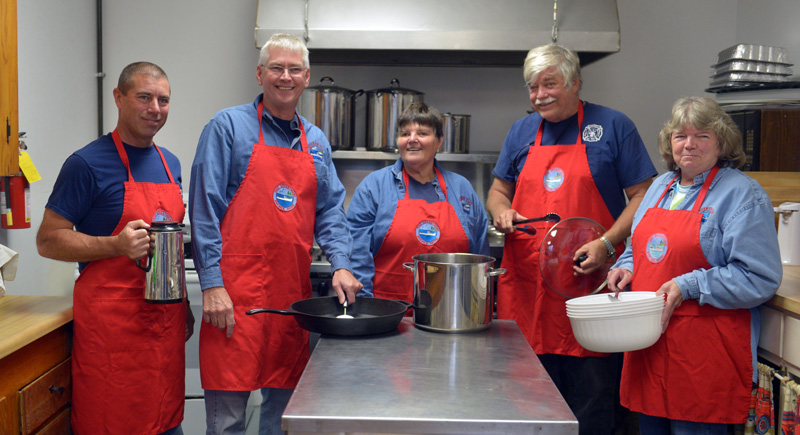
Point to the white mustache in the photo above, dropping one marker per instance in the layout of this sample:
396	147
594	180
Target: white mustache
545	101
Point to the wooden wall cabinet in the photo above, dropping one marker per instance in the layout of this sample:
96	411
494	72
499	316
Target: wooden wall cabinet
770	138
9	91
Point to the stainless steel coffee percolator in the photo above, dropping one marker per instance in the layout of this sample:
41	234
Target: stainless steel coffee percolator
165	281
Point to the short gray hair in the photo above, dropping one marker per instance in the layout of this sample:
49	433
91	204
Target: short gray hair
287	42
565	60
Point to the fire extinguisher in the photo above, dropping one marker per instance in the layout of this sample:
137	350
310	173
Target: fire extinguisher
15	202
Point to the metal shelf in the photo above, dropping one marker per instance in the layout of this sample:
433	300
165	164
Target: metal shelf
384	155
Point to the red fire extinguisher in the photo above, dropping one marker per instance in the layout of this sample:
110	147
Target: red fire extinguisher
15	202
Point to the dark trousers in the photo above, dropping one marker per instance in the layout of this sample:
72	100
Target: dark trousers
590	386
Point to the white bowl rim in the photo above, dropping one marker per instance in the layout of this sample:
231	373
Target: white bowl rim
613	308
625	298
648	312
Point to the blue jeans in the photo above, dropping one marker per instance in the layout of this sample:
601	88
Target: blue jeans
225	411
590	387
177	430
649	425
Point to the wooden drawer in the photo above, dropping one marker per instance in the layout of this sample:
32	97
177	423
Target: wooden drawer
58	426
44	397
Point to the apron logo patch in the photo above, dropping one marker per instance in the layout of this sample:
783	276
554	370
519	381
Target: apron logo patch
285	197
656	248
316	151
427	232
161	216
553	179
466	204
706	212
592	133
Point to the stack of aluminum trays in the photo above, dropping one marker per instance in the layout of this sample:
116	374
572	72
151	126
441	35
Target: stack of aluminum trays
750	66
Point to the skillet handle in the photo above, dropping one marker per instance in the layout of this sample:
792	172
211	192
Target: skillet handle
269	310
406	303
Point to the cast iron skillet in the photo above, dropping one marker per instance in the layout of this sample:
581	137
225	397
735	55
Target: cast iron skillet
370	315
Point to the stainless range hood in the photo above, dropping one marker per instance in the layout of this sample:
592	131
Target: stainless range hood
440	32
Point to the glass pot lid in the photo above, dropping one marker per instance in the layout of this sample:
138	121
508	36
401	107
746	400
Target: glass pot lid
557	251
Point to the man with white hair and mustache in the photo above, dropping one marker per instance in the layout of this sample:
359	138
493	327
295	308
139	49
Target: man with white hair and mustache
576	159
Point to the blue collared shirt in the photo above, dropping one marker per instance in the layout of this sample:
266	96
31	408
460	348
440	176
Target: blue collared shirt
737	236
223	154
374	203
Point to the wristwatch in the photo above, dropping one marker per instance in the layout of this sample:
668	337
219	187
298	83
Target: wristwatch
609	246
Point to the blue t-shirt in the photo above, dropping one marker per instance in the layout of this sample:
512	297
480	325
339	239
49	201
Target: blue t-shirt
617	156
90	191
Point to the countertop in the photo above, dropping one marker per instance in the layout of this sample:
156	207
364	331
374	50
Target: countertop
416	381
24	319
788	295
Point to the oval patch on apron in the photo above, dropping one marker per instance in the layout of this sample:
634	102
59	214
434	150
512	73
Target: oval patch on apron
427	232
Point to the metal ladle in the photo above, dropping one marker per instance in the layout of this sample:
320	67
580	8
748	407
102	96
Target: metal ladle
344	315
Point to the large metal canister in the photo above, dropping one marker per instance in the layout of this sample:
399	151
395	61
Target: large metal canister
333	110
453	292
455	138
165	278
384	107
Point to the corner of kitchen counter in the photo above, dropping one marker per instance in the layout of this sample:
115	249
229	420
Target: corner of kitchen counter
25	319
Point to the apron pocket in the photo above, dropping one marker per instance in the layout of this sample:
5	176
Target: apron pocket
120	325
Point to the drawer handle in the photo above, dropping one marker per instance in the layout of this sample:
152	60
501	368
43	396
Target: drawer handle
59	390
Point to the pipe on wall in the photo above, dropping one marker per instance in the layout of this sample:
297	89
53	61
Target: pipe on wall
100	74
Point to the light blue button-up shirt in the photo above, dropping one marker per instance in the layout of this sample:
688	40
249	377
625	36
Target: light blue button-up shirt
223	154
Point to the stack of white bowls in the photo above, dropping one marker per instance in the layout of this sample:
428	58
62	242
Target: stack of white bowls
602	323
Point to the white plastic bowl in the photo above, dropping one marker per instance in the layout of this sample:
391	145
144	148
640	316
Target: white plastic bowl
617	334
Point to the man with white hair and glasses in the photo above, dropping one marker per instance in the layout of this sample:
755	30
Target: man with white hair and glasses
263	188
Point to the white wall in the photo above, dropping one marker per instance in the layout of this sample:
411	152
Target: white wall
208	50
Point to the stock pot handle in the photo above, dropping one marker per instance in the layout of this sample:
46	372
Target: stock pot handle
409	266
495	272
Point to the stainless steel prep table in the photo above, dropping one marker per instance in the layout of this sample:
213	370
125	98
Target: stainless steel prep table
412	381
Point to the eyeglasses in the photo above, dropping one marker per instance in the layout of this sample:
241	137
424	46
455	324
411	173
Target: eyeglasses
277	70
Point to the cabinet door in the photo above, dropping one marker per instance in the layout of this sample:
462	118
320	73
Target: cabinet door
9	109
780	129
791	344
9	415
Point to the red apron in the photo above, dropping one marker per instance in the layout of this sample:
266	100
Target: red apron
701	368
267	235
128	355
555	178
418	227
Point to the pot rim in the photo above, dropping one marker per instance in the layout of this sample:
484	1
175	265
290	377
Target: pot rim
442	257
